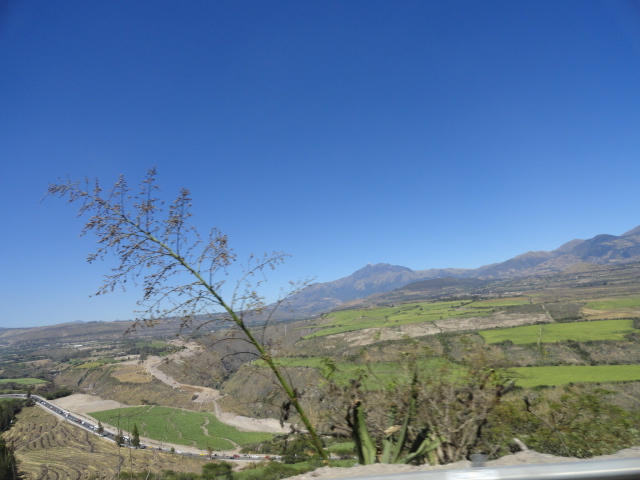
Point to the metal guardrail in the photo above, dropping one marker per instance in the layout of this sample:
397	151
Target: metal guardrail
616	469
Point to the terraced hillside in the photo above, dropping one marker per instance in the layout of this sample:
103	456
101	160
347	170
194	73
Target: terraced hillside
49	449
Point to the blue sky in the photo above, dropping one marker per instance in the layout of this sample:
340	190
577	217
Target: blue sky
417	133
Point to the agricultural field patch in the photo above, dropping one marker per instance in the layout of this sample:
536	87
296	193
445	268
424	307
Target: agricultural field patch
154	344
172	425
351	320
50	449
629	301
23	381
132	374
38	363
562	375
501	302
94	364
558	332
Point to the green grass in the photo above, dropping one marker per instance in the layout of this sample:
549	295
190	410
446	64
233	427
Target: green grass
342	446
613	303
182	427
23	381
97	363
351	320
153	344
534	376
302	467
558	332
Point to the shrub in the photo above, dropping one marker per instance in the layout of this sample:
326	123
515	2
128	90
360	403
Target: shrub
273	471
571	421
217	471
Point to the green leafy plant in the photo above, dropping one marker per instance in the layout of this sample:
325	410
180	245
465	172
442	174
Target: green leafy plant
574	421
394	447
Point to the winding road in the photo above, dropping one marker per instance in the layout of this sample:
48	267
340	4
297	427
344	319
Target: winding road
210	395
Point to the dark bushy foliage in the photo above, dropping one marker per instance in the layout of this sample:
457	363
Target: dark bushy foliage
217	471
8	464
565	311
274	471
8	411
61	392
567	421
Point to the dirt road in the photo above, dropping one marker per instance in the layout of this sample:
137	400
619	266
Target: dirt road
210	395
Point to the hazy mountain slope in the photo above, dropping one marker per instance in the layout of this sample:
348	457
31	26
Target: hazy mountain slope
382	277
369	280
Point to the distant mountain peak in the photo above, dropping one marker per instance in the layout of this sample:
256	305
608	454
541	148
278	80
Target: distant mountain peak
566	247
372	270
375	278
382	267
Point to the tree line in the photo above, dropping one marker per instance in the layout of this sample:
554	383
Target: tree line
9	408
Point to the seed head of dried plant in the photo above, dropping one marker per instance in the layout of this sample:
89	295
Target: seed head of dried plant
181	274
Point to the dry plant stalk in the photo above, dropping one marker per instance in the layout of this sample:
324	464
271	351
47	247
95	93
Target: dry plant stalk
181	275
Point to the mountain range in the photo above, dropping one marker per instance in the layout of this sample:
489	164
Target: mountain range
379	278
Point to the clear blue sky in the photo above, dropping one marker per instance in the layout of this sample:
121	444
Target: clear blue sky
416	133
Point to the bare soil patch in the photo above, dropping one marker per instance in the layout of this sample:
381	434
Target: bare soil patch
81	403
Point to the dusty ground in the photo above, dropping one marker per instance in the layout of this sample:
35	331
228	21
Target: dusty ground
81	403
131	372
529	457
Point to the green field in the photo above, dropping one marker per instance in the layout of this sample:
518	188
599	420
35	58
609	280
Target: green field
154	344
558	332
172	425
350	320
97	363
613	303
23	381
534	376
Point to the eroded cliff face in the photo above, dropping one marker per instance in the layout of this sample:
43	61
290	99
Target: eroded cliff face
121	384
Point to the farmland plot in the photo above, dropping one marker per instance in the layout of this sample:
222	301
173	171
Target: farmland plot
352	320
558	332
172	425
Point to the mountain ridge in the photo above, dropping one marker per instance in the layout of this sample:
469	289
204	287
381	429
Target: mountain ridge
602	249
